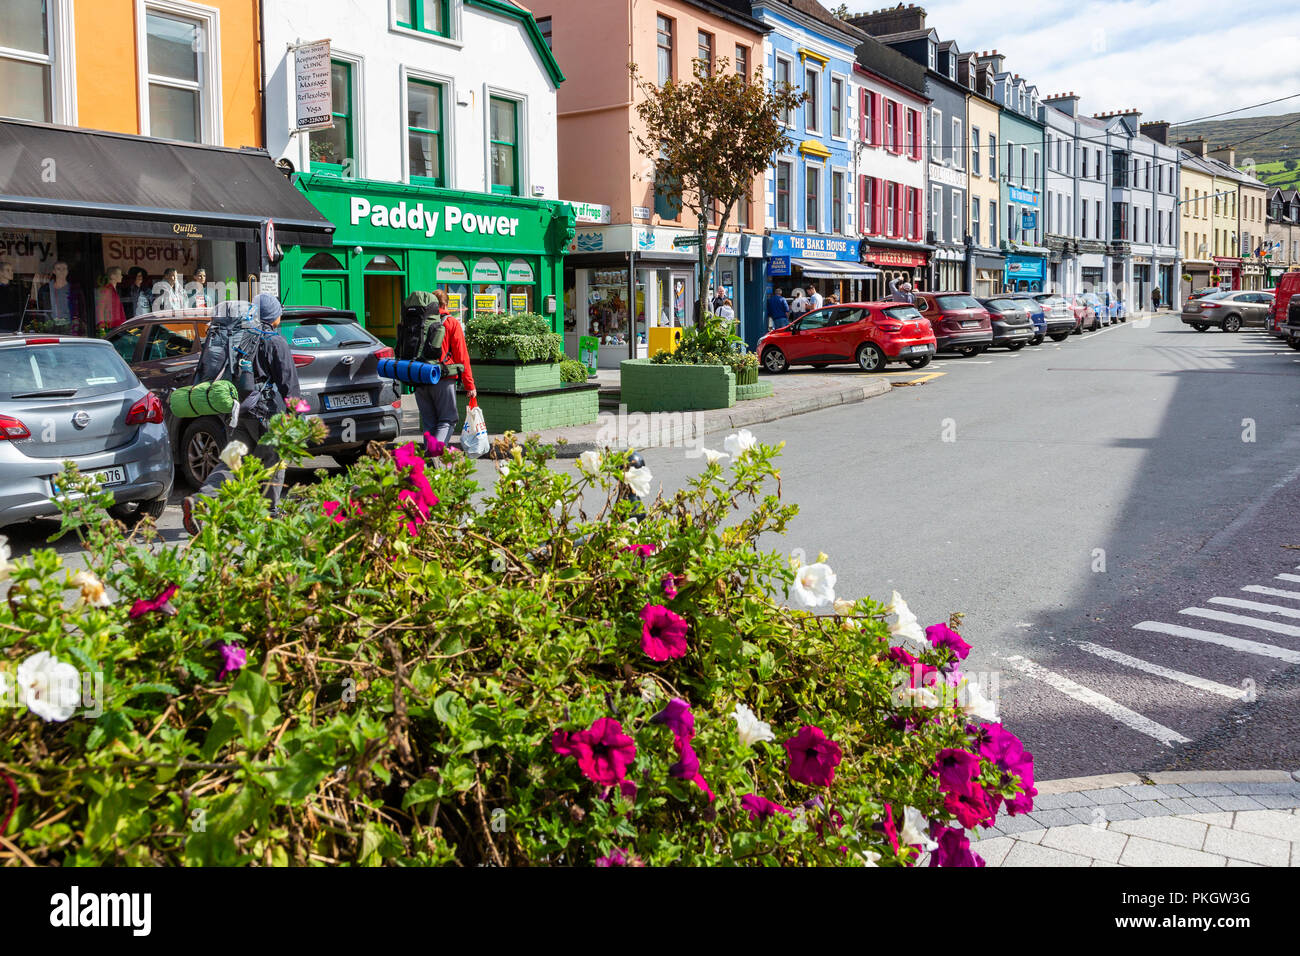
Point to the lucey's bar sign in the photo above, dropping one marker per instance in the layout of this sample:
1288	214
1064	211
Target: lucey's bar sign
891	257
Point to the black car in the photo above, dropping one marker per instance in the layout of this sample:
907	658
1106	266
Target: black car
337	364
1012	325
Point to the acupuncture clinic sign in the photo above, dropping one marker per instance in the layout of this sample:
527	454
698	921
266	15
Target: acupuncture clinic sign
311	62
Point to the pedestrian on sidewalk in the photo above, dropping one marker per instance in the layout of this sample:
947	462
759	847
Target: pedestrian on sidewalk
275	383
778	311
798	304
900	291
815	300
437	403
1155	298
727	311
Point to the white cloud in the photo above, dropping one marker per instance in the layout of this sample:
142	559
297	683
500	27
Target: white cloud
1173	60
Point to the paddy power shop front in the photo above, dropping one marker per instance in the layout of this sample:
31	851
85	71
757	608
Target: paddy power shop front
492	254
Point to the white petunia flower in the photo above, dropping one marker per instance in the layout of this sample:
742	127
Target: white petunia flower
916	830
814	586
638	479
48	686
233	454
649	690
916	697
844	608
6	566
713	456
93	591
975	704
906	627
751	729
589	461
740	442
869	857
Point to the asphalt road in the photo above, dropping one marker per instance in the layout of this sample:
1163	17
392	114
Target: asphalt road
1058	497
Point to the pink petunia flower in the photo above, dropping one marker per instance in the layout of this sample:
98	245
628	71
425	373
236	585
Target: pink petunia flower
618	858
891	828
813	757
409	458
339	512
160	603
956	769
687	768
971	806
670	586
1004	748
644	550
678	718
663	633
954	849
941	635
434	448
603	751
760	808
301	406
233	659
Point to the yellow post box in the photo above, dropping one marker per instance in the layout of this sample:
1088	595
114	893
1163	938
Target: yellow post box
665	339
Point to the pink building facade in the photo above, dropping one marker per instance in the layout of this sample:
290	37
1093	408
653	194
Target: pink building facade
623	275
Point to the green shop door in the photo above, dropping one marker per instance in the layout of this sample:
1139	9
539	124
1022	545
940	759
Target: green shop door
324	282
384	293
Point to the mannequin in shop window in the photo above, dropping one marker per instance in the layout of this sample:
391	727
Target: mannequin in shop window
62	301
109	313
137	292
13	298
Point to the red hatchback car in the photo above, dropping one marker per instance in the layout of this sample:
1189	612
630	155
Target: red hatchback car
872	334
960	323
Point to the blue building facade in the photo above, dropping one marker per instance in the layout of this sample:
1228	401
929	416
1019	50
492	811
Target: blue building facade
1023	175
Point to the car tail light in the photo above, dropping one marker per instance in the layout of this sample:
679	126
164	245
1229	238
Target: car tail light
11	429
299	360
42	341
890	326
397	404
1209	305
148	409
384	353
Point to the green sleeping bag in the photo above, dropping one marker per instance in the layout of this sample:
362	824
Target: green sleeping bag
206	398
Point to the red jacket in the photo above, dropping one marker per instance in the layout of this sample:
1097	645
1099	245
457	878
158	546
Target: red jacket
454	350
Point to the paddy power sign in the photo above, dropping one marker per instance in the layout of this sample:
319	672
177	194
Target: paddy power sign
415	217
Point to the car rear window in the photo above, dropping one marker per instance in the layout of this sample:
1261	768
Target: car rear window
1005	305
324	333
957	302
904	313
1215	295
81	368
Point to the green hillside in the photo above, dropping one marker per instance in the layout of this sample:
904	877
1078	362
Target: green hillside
1258	139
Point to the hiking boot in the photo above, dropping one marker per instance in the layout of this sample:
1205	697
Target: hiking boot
187	515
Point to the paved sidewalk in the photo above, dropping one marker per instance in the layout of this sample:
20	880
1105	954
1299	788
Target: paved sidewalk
1174	818
794	393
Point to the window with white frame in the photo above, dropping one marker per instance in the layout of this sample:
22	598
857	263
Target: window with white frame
993	156
975	147
813	198
934	57
837	201
975	219
34	64
837	107
180	73
1024	164
781	80
958	142
936	209
812	81
936	134
958	215
993	223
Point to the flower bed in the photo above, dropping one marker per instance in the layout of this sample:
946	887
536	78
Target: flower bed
401	671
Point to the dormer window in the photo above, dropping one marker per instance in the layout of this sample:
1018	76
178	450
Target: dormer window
952	68
934	57
1006	95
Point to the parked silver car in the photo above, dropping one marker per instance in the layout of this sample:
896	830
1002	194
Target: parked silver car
73	399
1229	311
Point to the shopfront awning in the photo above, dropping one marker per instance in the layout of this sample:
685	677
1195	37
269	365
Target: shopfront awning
832	269
54	177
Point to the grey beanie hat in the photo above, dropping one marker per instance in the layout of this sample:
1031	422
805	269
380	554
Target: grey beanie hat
266	308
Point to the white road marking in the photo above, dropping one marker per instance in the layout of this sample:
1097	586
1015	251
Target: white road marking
1289	630
1224	640
1277	609
1085	695
1271	592
1288	577
1191	680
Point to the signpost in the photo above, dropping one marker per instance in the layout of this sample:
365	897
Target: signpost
685	242
311	63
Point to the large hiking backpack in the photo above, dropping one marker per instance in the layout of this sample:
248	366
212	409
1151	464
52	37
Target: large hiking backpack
225	373
422	335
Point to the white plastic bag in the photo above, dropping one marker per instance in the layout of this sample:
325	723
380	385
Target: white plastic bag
474	436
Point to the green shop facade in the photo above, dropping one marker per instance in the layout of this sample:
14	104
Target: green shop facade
491	253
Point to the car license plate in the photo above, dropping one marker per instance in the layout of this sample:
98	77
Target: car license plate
970	324
347	400
107	476
920	348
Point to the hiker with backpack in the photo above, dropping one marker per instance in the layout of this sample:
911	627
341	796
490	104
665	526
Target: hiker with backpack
249	353
430	333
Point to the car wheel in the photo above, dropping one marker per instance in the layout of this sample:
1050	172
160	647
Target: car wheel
1036	340
1199	326
969	351
1232	323
129	514
918	362
1294	343
201	445
346	459
1015	346
1060	336
870	358
774	361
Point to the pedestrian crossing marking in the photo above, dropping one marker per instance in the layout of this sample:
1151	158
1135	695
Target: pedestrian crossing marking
1223	640
1191	680
1289	630
1288	577
1277	609
1085	695
1270	592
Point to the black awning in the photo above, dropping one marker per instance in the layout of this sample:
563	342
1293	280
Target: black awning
55	177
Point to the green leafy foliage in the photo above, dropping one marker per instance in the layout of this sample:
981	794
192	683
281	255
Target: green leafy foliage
571	370
528	334
712	342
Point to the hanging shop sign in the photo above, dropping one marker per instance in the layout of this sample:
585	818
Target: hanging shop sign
778	266
451	269
486	270
1026	197
881	256
591	213
800	246
315	95
153	255
1026	267
730	244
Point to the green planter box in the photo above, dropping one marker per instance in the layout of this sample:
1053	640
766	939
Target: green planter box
748	377
504	376
536	410
646	387
758	390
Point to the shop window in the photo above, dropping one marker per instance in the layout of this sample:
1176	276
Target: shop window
607	311
26	61
333	150
664	49
383	264
505	145
323	261
424	132
426	16
179	67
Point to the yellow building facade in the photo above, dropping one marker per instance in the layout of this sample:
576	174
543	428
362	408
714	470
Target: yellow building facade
1196	222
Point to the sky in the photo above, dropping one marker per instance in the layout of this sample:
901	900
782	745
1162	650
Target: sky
1174	60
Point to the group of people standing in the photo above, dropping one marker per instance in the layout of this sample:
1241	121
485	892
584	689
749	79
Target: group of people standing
55	301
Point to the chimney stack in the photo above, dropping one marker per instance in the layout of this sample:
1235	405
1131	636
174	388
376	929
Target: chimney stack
1157	130
1197	147
1067	103
1225	154
889	20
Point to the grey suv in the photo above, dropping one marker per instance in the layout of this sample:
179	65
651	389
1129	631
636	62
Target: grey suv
73	399
1229	311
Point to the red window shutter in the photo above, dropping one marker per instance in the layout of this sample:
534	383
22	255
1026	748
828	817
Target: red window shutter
900	211
916	215
875	119
863	112
914	117
879	195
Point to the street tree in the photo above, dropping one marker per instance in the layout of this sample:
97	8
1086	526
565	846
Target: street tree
707	139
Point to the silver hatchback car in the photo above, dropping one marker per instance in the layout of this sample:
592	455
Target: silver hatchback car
74	399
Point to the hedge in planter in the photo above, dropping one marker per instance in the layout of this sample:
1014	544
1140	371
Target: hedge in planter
401	671
649	386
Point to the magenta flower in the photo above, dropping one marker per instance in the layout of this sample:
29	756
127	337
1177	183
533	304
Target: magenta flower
434	448
954	849
160	603
644	550
408	457
941	635
603	751
687	768
663	633
1004	748
670	586
233	659
626	789
956	769
618	858
678	718
301	406
337	510
813	757
891	828
970	806
760	808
